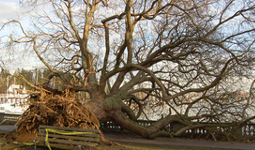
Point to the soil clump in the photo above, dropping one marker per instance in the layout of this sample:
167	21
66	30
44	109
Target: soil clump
63	110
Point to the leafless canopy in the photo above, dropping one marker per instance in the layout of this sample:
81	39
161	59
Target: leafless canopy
132	56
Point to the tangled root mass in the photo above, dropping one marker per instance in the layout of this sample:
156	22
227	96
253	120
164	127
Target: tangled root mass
56	110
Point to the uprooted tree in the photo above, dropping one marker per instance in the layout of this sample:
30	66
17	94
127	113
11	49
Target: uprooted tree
135	58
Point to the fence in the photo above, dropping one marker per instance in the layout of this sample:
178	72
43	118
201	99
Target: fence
21	100
111	126
245	130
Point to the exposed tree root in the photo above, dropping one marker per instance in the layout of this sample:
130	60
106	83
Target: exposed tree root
56	110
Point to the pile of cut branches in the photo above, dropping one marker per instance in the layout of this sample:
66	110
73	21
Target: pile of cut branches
62	110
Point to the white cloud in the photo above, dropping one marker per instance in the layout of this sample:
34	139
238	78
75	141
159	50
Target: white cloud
14	63
9	9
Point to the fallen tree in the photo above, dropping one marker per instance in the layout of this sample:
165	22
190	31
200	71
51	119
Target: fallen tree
126	55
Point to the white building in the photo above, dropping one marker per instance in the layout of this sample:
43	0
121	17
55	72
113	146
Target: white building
15	100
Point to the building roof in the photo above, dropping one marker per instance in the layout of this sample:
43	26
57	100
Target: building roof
13	88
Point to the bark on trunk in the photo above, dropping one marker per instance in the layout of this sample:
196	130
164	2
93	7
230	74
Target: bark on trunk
111	107
96	105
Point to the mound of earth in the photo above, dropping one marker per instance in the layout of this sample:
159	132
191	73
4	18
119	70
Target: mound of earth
62	110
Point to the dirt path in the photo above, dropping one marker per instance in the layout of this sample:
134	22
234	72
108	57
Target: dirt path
168	142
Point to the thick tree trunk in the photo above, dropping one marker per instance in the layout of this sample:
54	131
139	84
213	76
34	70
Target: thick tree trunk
97	108
111	107
96	105
119	117
101	105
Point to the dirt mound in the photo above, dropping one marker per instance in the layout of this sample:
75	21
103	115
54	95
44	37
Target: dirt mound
53	109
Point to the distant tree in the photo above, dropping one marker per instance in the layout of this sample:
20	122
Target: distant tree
3	85
3	81
188	56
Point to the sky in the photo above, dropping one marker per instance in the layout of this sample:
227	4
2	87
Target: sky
9	10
